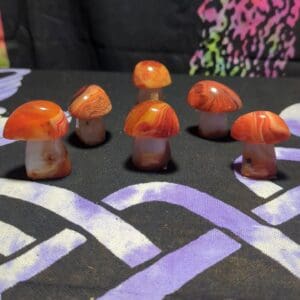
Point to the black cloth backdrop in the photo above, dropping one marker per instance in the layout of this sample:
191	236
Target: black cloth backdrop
108	34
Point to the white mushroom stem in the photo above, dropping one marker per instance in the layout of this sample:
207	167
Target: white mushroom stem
46	159
149	94
259	161
151	153
91	132
213	125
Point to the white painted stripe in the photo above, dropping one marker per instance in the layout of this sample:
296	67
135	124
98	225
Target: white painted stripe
10	84
268	240
281	209
12	239
290	154
174	270
122	239
3	141
3	121
3	110
38	258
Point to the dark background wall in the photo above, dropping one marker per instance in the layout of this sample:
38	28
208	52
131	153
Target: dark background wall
107	35
115	34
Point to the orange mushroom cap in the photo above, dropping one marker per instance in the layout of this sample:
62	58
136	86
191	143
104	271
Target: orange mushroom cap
212	96
152	118
260	127
36	120
90	102
151	74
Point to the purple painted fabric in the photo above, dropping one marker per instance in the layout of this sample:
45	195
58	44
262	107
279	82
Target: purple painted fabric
172	271
270	241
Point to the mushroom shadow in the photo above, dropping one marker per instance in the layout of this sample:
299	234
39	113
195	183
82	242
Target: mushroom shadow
172	167
76	142
20	174
193	130
17	173
281	176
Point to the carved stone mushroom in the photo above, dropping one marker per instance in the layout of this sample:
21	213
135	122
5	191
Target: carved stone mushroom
42	124
90	104
150	77
213	101
259	131
151	124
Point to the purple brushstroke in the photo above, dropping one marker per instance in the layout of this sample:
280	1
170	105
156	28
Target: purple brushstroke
291	115
38	258
4	141
281	209
290	154
174	270
294	126
122	239
268	240
12	239
10	84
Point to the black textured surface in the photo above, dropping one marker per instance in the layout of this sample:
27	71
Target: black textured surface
90	270
114	35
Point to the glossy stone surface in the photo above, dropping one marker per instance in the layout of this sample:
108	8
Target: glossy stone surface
36	120
91	132
259	161
212	96
212	125
90	102
150	74
152	118
151	154
46	160
260	127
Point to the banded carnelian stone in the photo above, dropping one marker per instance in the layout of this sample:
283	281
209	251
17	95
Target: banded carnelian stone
36	120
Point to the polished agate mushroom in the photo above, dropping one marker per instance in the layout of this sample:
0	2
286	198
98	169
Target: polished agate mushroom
150	77
42	124
259	131
213	101
90	104
151	124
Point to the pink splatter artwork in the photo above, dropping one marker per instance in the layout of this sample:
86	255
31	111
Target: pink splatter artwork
246	37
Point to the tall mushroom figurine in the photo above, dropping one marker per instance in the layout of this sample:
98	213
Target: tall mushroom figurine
214	101
151	124
90	104
42	124
259	130
150	76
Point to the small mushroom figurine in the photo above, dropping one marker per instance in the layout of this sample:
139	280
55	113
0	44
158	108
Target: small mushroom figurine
259	130
42	124
151	124
150	76
214	101
90	104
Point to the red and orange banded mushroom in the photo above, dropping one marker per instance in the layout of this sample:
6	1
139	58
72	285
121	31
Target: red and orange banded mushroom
214	101
41	123
259	130
150	76
90	104
151	123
